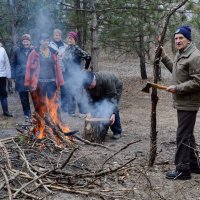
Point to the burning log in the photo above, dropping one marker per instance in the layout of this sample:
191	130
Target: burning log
57	130
96	129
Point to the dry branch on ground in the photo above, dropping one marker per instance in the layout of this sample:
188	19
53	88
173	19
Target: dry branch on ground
32	168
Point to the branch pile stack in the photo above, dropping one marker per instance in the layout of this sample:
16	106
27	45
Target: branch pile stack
35	169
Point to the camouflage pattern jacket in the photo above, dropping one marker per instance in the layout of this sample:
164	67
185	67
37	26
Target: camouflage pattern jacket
73	57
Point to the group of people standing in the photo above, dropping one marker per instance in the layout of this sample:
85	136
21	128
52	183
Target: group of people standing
43	69
58	69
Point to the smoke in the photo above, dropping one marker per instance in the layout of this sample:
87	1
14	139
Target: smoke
74	81
44	22
102	109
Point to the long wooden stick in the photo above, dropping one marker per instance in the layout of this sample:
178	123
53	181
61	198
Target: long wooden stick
7	184
154	96
91	143
124	147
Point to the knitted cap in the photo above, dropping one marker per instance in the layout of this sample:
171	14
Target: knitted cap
185	31
74	35
26	37
88	78
44	36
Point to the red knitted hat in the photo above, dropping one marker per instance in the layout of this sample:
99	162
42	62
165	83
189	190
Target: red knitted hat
74	35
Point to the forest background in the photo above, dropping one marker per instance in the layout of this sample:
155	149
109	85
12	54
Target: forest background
119	28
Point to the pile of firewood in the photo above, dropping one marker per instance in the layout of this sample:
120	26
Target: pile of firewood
33	168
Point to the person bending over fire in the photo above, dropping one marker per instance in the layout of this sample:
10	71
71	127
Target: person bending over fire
104	91
43	76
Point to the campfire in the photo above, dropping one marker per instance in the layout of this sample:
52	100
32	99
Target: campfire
46	123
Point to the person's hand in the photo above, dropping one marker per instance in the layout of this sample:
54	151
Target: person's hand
112	119
32	88
171	88
88	115
163	53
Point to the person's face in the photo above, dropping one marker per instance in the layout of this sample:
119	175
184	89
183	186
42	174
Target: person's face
70	40
93	84
44	43
26	44
181	42
57	37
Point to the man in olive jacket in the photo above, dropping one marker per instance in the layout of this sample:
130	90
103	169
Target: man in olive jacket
104	91
186	99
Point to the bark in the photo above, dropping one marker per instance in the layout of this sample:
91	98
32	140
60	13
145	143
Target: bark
141	43
13	25
94	37
142	57
96	129
173	45
80	14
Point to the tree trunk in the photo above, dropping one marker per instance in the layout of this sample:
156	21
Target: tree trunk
13	25
78	26
142	57
94	37
173	45
84	27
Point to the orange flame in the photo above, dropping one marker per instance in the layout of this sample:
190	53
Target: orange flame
43	107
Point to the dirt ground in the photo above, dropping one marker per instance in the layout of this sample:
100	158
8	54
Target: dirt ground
141	182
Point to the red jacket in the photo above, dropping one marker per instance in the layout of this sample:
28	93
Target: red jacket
33	70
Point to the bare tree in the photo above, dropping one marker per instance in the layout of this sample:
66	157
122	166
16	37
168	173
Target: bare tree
94	38
13	24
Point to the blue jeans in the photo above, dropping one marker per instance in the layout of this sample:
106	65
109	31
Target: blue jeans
116	127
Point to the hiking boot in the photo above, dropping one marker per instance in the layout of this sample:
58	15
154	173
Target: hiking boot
178	175
116	136
7	114
195	169
82	115
4	104
72	114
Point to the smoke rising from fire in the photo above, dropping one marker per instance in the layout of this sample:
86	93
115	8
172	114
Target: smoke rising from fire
102	109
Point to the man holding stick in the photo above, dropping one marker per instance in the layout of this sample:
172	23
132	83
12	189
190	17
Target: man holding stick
186	99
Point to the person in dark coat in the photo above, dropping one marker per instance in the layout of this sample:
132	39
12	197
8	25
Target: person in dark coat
18	72
104	91
72	61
